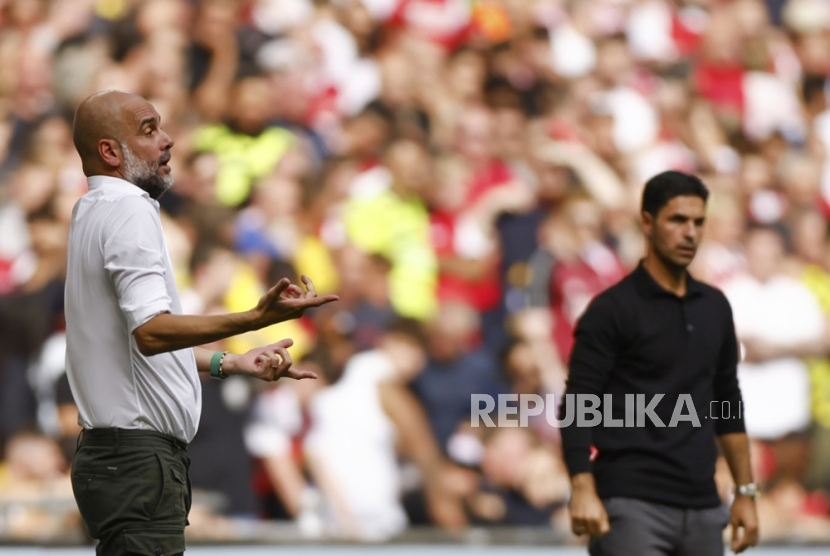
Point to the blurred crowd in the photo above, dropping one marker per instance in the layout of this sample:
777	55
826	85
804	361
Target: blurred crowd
466	176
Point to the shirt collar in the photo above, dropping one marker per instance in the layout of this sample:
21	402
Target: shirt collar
649	287
118	186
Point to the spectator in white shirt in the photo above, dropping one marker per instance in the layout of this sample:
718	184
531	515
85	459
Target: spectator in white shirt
775	314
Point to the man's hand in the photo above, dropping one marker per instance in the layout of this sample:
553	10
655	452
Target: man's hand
285	301
744	522
587	512
267	363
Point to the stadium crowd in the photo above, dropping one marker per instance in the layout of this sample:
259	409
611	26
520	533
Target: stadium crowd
466	176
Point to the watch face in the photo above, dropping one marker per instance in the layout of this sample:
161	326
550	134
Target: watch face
750	490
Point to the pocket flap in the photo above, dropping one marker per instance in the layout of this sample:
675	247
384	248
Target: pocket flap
178	475
160	541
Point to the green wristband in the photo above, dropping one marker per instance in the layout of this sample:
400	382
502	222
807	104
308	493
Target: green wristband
216	365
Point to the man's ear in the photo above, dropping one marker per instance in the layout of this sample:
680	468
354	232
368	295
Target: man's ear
110	152
646	223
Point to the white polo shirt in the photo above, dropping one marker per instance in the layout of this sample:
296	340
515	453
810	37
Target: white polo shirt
119	276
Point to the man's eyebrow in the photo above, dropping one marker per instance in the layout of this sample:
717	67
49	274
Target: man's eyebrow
148	120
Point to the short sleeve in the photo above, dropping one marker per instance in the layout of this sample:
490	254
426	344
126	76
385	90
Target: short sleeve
135	260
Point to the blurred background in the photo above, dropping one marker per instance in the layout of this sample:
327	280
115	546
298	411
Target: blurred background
466	176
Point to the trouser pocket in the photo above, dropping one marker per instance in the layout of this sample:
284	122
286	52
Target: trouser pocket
114	487
175	501
157	541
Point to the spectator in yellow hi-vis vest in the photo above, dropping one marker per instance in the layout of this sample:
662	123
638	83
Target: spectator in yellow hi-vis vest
247	148
385	215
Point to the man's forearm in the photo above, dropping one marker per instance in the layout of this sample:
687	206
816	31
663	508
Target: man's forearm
203	357
735	447
166	332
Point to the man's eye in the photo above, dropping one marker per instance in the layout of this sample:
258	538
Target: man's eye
149	132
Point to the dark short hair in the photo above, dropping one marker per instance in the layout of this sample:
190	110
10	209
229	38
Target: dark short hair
408	328
664	187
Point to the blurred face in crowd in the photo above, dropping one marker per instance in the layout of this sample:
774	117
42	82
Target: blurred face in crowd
410	165
510	125
522	370
466	73
250	101
506	456
674	234
764	253
451	331
801	179
406	353
475	136
449	190
809	235
613	62
586	217
31	187
726	221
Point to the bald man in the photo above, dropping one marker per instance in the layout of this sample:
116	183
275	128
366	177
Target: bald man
131	357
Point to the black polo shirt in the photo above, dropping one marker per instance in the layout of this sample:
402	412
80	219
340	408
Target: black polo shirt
638	338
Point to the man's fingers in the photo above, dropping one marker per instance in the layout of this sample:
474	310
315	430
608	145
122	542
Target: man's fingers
577	526
751	534
298	374
743	537
278	289
286	359
590	526
604	525
272	362
309	285
286	343
293	291
584	526
317	301
737	534
593	527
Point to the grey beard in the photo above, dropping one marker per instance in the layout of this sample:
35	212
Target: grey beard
145	174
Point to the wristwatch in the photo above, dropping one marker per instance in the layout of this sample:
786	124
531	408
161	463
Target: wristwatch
750	490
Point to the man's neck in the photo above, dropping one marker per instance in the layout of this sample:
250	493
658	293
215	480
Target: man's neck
668	277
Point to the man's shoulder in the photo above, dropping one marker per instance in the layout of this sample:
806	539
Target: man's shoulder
712	293
618	293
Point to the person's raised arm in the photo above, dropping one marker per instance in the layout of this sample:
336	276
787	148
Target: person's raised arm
285	301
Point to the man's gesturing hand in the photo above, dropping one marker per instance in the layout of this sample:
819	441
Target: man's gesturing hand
267	363
588	515
744	522
286	301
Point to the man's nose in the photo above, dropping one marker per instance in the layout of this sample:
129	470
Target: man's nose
691	231
167	141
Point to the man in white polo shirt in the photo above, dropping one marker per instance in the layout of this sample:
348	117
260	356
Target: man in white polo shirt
130	364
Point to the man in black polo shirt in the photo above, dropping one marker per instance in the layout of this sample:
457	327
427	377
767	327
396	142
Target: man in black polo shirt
651	489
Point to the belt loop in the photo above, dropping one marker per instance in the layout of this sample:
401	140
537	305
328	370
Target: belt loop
78	442
117	440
